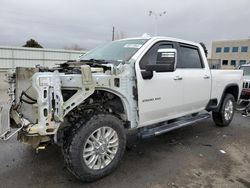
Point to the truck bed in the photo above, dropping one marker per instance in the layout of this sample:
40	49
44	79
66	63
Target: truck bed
221	79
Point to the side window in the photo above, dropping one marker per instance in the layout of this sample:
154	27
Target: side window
151	55
190	57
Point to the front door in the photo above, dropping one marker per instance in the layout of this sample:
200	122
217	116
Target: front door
161	97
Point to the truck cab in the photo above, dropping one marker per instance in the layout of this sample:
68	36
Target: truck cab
182	90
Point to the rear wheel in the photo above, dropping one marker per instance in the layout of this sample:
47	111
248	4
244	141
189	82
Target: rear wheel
96	148
225	115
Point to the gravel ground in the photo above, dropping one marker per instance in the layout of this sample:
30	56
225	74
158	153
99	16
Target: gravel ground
201	155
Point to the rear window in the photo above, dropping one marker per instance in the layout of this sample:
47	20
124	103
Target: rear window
190	57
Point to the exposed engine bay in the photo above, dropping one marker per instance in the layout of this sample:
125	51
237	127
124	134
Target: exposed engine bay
45	101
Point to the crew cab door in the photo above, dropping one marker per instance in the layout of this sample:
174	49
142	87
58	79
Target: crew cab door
160	97
196	78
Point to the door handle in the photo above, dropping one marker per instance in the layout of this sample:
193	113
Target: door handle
177	78
206	77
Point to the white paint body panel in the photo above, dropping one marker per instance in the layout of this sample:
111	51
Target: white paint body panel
167	94
222	78
196	89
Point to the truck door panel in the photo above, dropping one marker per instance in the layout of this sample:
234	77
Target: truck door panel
159	98
196	79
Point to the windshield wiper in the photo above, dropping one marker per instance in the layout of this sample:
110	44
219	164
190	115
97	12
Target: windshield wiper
100	61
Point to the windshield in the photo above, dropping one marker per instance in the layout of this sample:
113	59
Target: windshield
116	51
246	70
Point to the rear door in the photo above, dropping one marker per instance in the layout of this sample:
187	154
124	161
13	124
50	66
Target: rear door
196	78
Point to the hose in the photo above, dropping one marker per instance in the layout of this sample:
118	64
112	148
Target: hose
32	100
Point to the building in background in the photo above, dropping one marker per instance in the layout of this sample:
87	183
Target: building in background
230	54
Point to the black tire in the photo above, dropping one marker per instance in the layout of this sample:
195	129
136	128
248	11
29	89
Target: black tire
219	117
74	146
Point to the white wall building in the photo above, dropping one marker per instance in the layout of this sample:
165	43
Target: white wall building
11	57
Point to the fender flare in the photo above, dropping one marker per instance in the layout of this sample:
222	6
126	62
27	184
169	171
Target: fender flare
217	108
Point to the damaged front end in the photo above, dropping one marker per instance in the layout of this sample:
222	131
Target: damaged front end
32	103
43	104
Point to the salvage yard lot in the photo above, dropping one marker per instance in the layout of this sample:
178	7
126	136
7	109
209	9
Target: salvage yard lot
201	155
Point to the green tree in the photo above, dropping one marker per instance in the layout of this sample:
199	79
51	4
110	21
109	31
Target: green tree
32	44
204	48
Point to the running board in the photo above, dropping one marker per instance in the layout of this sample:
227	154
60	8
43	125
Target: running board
166	127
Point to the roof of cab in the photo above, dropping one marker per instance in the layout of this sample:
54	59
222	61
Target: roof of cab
163	38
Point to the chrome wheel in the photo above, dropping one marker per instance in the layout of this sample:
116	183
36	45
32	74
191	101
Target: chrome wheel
229	108
100	148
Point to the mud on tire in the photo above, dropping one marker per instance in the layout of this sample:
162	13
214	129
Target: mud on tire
74	148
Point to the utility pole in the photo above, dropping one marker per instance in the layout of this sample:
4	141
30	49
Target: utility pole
156	15
113	33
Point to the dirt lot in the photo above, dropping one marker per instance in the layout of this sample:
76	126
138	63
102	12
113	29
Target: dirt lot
196	156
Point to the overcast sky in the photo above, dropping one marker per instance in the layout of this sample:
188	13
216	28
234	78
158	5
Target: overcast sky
88	23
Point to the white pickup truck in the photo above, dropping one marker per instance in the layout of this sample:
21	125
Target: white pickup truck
151	85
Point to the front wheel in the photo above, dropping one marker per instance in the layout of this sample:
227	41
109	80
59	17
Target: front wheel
96	148
225	115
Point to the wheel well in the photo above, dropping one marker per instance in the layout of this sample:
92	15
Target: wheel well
232	89
99	102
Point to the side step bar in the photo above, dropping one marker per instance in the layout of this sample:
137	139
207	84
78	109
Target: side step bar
166	127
